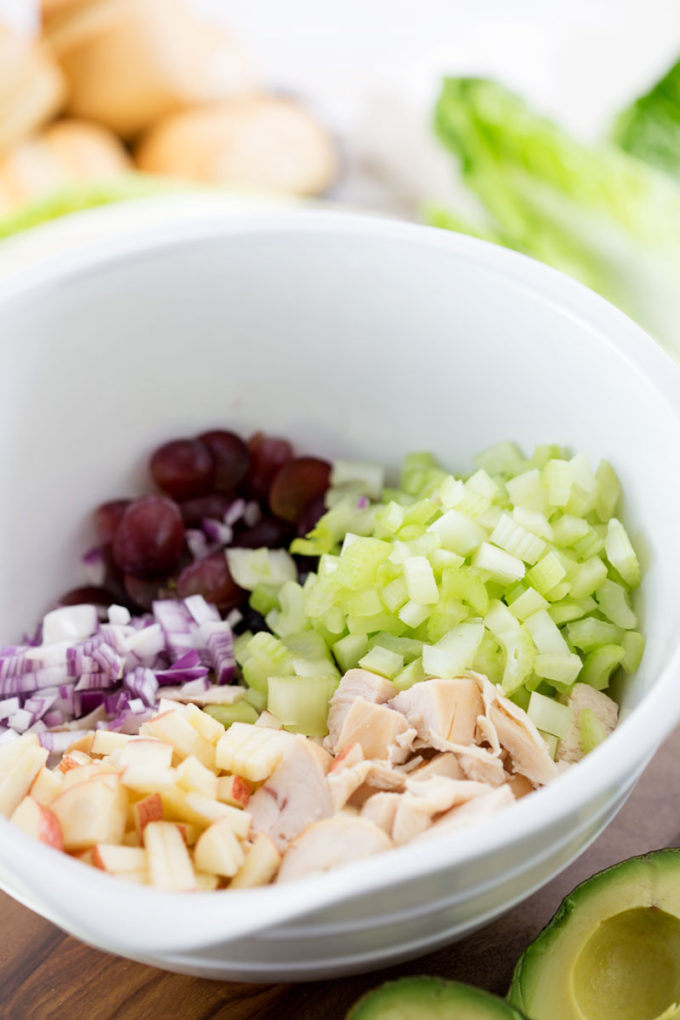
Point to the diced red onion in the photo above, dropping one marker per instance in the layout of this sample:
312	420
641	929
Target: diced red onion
142	683
252	513
235	512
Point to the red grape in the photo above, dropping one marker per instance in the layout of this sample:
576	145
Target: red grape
150	537
296	484
140	591
230	459
210	577
107	517
214	506
269	531
267	456
88	595
314	510
183	468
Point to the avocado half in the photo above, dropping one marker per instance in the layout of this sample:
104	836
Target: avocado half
612	950
426	998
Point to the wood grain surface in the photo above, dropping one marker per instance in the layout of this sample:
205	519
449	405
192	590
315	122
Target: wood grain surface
46	974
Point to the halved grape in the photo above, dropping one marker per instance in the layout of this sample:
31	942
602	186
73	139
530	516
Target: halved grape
311	514
210	578
142	592
213	506
267	456
183	468
230	459
296	484
89	594
269	531
108	516
150	537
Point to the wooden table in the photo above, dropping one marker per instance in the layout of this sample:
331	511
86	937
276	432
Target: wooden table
44	973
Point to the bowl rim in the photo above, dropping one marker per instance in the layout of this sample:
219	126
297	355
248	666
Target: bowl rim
150	916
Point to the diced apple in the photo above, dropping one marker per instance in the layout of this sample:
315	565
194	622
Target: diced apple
114	859
12	750
85	856
174	729
189	832
168	705
269	720
46	786
251	751
142	751
210	729
150	809
83	773
206	882
168	859
218	851
132	838
73	760
38	821
147	778
83	743
17	778
214	810
192	776
233	790
107	741
92	812
260	866
138	877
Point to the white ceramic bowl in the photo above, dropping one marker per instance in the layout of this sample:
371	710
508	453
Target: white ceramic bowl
351	336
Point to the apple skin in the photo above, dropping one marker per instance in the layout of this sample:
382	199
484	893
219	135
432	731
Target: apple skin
38	821
149	809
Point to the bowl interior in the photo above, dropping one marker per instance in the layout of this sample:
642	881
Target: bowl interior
356	340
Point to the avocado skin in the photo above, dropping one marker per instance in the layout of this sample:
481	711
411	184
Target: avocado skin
538	951
427	998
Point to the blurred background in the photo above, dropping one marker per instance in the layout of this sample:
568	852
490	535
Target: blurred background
550	128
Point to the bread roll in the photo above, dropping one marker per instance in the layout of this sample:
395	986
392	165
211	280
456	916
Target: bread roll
128	62
255	143
68	152
31	86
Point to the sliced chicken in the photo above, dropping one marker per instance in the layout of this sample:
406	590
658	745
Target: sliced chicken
524	743
366	777
382	732
425	798
330	844
482	766
520	786
444	764
443	712
295	795
352	755
381	809
356	683
473	811
324	759
584	696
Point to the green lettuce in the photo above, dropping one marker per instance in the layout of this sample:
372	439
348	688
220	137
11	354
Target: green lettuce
649	128
594	212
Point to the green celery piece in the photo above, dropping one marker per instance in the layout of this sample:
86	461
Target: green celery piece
600	664
594	212
240	711
649	128
591	731
301	702
349	649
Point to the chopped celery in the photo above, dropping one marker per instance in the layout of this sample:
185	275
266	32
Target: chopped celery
359	561
633	645
251	567
621	554
410	675
547	573
527	491
363	603
451	491
415	472
291	617
515	539
407	647
455	651
567	610
590	633
443	558
348	650
239	711
591	730
413	614
458	532
301	702
467	584
527	603
264	598
551	742
590	544
258	699
534	521
395	594
383	661
420	581
560	669
388	519
548	715
241	644
500	564
370	624
489	658
612	599
588	578
266	656
600	664
504	459
559	592
500	620
545	634
520	655
569	529
445	615
521	697
608	491
370	477
557	478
